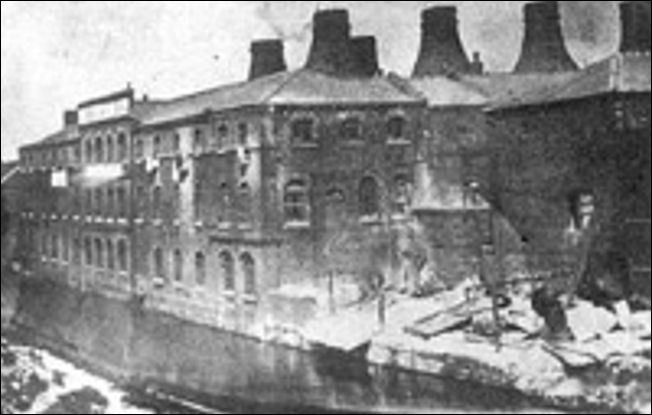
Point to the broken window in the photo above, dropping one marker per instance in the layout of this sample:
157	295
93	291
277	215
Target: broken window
582	207
200	268
227	265
369	196
351	129
297	202
396	128
249	272
303	131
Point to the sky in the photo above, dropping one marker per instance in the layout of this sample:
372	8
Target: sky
56	54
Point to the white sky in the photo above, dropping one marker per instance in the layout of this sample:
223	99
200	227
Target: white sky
58	53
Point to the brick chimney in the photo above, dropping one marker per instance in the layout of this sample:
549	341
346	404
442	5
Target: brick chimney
70	118
544	49
267	57
365	51
635	20
441	50
331	51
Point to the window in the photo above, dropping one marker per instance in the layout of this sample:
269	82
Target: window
45	246
178	266
303	131
351	129
89	202
156	202
200	268
99	150
123	256
249	272
55	247
110	255
110	149
110	202
402	193
89	152
396	128
156	146
76	251
159	264
222	136
198	140
245	210
176	143
122	147
296	202
88	251
227	267
122	202
99	201
582	206
369	197
99	253
139	148
243	134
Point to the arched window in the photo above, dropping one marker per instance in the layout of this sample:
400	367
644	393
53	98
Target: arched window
55	247
248	266
396	128
176	142
110	202
99	253
227	266
99	201
89	151
200	268
369	197
303	131
99	150
351	129
244	196
243	134
123	262
122	147
110	149
139	148
178	266
222	136
159	264
198	140
110	255
296	202
88	251
122	202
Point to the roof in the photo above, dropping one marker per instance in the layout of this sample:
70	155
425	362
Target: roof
506	88
302	87
620	73
442	91
8	170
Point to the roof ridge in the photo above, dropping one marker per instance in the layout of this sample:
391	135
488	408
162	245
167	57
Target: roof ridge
291	76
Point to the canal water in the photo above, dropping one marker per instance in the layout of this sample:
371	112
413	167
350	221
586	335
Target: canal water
36	382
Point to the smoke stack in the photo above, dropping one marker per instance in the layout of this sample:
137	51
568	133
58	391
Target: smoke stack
267	57
544	49
365	51
635	19
441	51
331	50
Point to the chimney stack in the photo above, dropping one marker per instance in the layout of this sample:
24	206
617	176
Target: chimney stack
544	49
365	51
441	50
635	19
331	51
70	118
267	57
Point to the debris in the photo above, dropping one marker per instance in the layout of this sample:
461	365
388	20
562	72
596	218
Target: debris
641	324
623	314
545	304
441	324
588	322
570	357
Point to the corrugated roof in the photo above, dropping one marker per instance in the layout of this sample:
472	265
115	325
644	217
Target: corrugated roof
301	87
442	91
620	73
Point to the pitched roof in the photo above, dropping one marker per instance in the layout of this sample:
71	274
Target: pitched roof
442	91
302	87
8	169
620	73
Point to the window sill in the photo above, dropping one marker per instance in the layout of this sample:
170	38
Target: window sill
305	146
158	283
371	220
250	299
399	142
224	226
297	225
230	296
157	222
354	143
245	227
